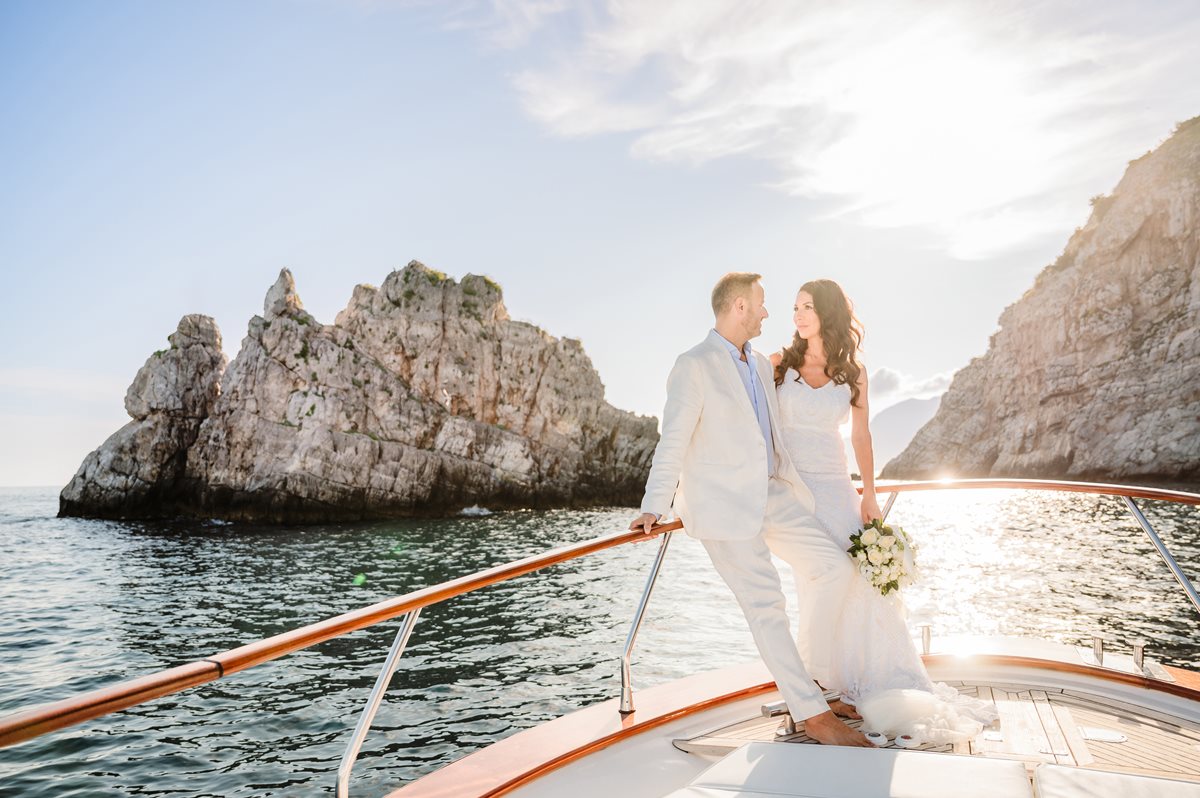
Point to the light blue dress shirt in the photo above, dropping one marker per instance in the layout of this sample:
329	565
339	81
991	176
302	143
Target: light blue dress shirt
755	390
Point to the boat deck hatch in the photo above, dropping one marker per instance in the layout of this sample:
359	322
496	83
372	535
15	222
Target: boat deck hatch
1036	726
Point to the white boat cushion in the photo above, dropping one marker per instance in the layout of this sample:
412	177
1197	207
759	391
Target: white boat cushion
1058	781
817	771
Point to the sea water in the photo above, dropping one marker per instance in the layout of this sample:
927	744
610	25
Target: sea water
87	603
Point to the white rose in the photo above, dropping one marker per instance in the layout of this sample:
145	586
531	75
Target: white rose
876	557
887	541
869	537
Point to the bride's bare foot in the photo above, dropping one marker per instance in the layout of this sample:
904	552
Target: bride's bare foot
827	729
844	710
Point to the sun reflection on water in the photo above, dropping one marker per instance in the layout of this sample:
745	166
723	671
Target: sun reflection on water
1055	566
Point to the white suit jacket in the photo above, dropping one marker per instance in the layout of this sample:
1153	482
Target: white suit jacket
710	465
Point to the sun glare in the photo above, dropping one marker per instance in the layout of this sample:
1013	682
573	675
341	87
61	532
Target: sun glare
944	130
975	127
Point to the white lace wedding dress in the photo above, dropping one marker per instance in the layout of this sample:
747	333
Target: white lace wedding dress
875	665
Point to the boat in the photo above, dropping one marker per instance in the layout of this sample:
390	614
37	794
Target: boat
1073	721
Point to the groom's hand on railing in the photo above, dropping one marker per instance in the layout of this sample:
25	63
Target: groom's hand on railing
644	523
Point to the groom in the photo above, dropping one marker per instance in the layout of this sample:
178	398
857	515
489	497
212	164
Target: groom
722	466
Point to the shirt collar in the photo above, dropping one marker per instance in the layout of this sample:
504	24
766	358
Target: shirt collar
733	350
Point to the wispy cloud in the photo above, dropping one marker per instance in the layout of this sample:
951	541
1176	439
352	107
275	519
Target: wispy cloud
988	127
888	387
501	23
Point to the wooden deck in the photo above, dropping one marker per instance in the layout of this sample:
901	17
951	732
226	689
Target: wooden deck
1035	725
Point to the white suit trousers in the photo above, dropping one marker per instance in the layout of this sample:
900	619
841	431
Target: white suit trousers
823	574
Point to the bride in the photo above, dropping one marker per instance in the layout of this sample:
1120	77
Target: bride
875	666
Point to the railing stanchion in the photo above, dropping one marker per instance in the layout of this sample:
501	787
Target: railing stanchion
626	674
887	506
1176	571
376	698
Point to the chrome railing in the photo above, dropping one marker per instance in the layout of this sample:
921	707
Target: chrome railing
373	702
887	506
1126	494
1117	491
626	672
350	756
1163	552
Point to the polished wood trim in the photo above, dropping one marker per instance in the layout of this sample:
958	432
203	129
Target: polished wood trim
527	755
60	714
1185	678
1186	684
1096	488
85	706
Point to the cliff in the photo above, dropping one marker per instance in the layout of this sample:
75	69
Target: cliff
421	398
1095	372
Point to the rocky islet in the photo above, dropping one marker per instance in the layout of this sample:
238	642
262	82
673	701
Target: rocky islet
421	398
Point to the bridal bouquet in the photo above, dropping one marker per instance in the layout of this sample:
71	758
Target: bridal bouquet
885	555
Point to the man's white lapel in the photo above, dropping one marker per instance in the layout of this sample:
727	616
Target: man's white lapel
766	376
729	374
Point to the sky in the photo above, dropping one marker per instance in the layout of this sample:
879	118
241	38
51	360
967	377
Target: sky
604	162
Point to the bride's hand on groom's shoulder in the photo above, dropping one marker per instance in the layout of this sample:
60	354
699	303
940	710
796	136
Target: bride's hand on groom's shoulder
869	508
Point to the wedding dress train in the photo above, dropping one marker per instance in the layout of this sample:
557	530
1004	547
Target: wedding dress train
874	664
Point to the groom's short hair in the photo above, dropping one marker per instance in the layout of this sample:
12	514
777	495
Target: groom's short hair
730	287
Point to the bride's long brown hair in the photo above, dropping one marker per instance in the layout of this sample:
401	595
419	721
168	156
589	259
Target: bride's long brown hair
841	332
